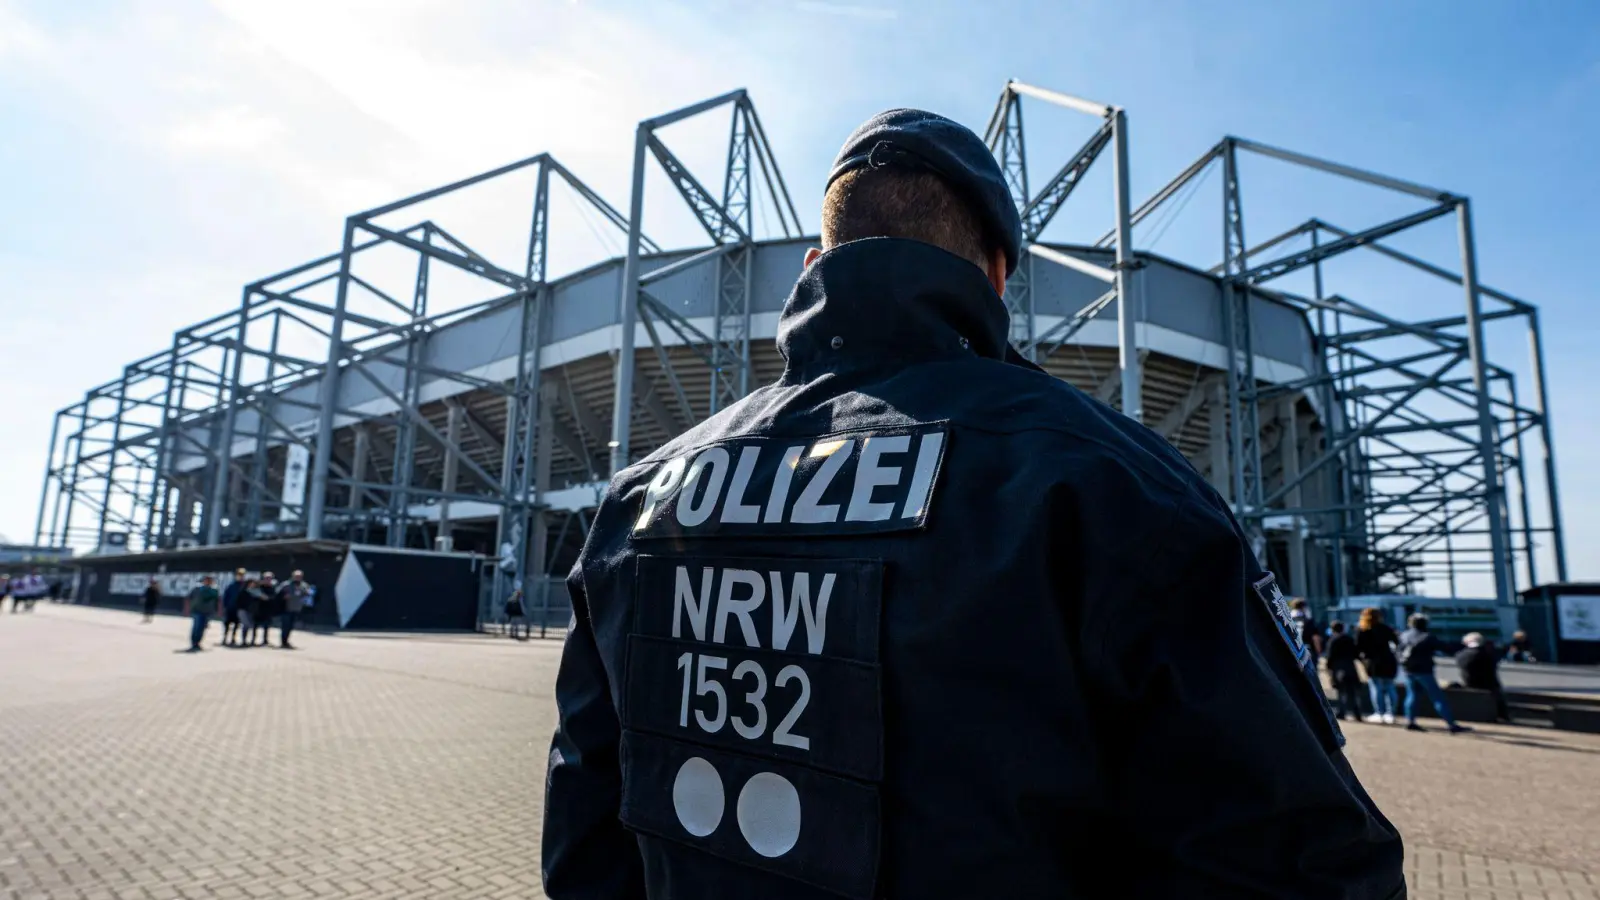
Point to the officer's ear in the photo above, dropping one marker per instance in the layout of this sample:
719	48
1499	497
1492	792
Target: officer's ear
811	257
996	270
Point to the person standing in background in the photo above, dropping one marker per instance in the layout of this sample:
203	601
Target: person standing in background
1375	648
291	600
1521	649
1342	654
152	599
1479	662
265	607
199	606
232	597
1306	627
1416	649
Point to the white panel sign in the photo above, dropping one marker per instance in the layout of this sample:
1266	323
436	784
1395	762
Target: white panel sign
172	584
294	482
1580	617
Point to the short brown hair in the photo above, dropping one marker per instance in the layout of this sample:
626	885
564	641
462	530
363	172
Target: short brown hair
897	203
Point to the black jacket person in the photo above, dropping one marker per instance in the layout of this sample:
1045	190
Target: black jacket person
919	620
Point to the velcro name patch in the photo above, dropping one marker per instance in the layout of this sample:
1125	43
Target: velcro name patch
857	482
753	687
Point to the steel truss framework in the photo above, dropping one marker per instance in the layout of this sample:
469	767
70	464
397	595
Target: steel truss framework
1393	461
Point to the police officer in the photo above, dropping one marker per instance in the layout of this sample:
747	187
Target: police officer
919	620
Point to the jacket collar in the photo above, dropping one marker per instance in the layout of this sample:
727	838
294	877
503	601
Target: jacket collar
888	301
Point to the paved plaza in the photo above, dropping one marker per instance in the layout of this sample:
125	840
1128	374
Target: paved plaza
412	766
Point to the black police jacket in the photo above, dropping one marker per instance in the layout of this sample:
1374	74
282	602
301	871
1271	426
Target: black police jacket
919	621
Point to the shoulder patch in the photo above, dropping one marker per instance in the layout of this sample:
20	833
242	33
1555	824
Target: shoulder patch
854	482
1266	589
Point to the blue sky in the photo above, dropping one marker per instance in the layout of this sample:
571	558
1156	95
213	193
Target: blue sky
155	156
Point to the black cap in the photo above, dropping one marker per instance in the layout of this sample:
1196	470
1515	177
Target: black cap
917	139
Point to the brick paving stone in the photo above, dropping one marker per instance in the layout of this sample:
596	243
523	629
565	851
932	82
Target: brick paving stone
412	766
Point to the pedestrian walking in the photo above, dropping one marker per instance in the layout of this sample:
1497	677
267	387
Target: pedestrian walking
921	620
1375	642
1479	662
291	600
152	599
202	603
1416	649
232	597
1520	649
26	591
1342	671
249	611
517	613
266	608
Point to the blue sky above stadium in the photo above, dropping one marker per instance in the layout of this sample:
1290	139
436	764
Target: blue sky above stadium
156	156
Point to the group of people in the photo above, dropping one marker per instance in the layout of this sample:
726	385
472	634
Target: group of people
1389	658
26	590
247	607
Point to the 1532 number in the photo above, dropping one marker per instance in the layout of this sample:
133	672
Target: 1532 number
747	674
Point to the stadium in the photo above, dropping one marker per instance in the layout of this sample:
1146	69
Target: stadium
413	391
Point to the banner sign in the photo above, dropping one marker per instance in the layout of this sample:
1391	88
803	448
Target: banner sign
1580	617
294	482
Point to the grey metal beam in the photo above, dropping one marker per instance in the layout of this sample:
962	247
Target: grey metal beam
1127	310
1089	107
693	109
1384	181
451	187
465	263
1283	266
329	389
1547	441
1149	206
1504	581
1041	209
605	209
712	217
628	302
422	422
1351	437
1109	276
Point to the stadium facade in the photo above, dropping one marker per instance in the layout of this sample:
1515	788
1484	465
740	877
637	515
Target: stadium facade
1364	452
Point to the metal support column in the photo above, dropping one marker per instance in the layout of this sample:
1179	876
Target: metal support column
258	458
323	457
1525	514
1488	446
1289	456
1221	475
454	414
44	490
111	458
539	517
1244	421
358	465
1547	439
228	394
628	312
1127	311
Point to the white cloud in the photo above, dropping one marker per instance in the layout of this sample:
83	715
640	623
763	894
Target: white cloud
235	129
20	38
853	11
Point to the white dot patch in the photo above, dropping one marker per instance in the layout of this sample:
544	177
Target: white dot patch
769	814
697	797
